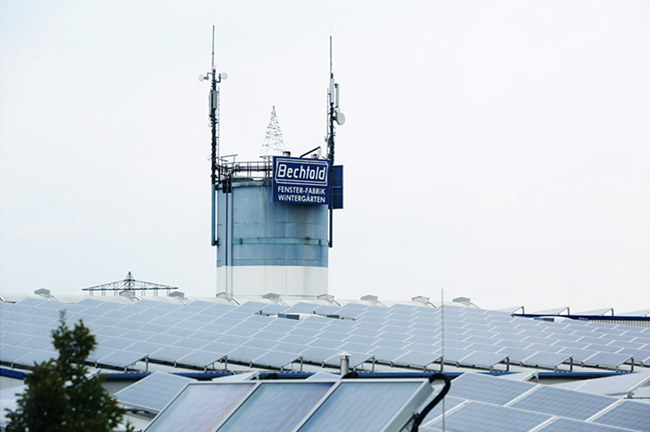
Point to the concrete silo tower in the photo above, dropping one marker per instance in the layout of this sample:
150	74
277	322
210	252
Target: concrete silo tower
272	219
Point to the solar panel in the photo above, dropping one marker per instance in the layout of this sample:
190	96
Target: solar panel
545	359
385	354
289	403
476	416
121	359
482	359
483	388
565	403
153	392
168	354
260	343
116	343
287	347
417	359
36	356
567	425
276	359
369	406
201	359
627	414
318	355
605	359
245	354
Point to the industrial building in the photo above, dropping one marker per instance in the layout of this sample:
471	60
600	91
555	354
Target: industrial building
273	350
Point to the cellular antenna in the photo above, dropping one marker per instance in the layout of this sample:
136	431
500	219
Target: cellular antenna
334	114
213	105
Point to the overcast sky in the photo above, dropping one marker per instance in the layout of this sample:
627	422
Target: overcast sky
499	150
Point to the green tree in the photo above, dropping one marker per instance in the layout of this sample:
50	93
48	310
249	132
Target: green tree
60	394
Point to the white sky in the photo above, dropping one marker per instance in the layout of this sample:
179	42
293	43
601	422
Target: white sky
499	150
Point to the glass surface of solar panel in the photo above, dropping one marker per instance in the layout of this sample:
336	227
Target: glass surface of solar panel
42	321
287	347
210	328
545	359
36	356
485	348
488	389
448	403
276	359
129	325
607	359
423	348
116	343
579	355
242	331
476	416
564	403
568	425
483	359
326	343
628	414
153	328
276	406
386	354
99	352
417	359
269	335
10	354
603	348
365	333
456	344
317	354
328	334
546	348
200	359
15	327
191	343
360	407
204	406
296	339
13	338
260	343
145	348
231	339
164	339
245	354
169	353
121	358
220	347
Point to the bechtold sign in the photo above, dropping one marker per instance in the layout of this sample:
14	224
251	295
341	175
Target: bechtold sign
301	181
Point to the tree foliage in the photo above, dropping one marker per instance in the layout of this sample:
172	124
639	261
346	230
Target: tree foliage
60	394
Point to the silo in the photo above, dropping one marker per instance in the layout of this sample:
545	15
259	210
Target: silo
265	246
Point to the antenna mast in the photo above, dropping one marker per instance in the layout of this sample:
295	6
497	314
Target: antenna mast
213	104
333	115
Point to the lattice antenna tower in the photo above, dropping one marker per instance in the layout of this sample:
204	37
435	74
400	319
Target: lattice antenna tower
273	142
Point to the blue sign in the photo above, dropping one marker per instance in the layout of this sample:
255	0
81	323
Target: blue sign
301	181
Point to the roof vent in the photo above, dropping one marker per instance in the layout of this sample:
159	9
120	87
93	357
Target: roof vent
271	296
43	291
423	300
180	294
464	300
371	298
128	293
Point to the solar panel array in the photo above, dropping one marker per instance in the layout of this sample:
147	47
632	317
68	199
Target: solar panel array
490	404
202	334
358	405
